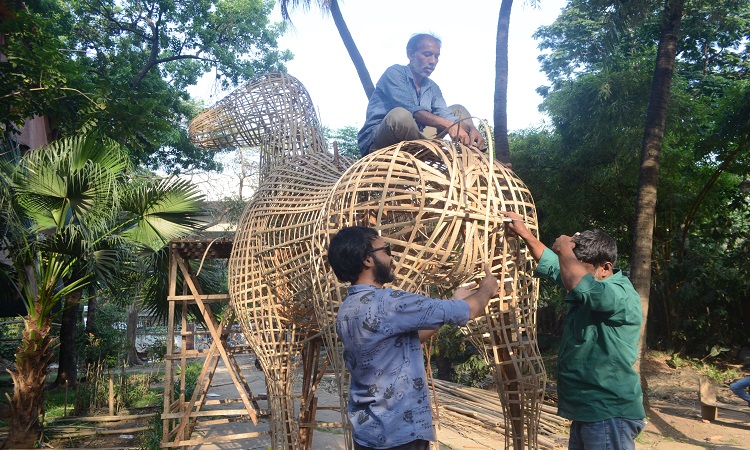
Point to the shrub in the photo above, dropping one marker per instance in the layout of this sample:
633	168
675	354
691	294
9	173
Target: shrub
192	371
157	350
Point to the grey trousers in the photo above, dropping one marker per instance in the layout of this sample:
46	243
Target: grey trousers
399	125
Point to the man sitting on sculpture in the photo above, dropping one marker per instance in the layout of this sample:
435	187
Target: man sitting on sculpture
406	105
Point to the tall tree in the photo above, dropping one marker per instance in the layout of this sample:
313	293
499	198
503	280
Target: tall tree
597	102
182	39
332	6
68	190
648	174
127	66
502	148
500	112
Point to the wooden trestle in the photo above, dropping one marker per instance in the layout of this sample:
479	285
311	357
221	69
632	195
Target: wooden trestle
181	415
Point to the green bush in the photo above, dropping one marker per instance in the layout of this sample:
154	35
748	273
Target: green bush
154	435
473	372
130	391
157	350
192	371
106	344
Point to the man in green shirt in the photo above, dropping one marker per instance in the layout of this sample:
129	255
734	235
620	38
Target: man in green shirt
598	389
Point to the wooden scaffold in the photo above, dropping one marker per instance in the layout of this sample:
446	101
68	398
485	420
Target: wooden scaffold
181	415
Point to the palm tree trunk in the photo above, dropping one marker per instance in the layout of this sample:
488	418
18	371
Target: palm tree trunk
648	175
30	371
67	371
502	147
351	47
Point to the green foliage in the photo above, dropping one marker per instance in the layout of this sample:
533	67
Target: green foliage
346	138
127	76
456	359
676	362
36	77
106	344
154	435
473	372
129	390
10	333
192	371
136	391
158	350
58	403
718	372
583	171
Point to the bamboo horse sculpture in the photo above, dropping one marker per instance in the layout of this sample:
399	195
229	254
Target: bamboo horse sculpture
435	202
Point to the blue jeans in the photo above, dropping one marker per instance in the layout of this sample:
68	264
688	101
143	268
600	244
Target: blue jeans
739	387
610	434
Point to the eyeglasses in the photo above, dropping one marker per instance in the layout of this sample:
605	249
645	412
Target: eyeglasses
386	247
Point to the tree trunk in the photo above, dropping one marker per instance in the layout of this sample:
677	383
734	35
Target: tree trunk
30	371
91	315
648	175
351	47
130	335
502	147
67	371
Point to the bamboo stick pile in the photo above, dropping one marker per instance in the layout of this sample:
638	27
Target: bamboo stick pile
472	411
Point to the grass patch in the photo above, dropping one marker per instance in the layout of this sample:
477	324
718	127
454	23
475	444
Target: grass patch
718	372
154	397
55	405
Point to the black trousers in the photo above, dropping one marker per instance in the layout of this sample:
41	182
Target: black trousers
419	444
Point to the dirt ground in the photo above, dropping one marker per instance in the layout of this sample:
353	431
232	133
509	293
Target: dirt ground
674	420
674	413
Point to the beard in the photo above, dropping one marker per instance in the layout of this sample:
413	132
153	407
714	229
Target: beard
383	273
423	71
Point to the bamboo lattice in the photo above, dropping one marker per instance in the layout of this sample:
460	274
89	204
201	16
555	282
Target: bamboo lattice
435	202
437	205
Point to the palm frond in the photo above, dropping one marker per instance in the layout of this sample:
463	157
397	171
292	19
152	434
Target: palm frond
161	211
71	180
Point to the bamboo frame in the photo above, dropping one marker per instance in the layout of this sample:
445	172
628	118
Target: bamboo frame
435	202
437	205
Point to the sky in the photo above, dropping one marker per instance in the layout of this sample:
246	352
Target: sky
465	73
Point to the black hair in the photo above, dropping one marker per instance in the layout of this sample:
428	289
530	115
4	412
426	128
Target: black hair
348	250
595	247
414	41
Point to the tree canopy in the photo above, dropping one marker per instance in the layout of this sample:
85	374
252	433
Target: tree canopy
124	67
584	169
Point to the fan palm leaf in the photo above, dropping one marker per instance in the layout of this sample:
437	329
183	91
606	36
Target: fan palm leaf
72	181
159	211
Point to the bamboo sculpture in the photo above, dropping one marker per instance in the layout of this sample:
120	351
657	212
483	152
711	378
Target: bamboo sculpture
435	202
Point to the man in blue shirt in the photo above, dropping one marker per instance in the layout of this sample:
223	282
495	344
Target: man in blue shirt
382	330
407	105
597	387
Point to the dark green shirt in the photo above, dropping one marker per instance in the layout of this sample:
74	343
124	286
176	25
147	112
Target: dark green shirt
596	380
